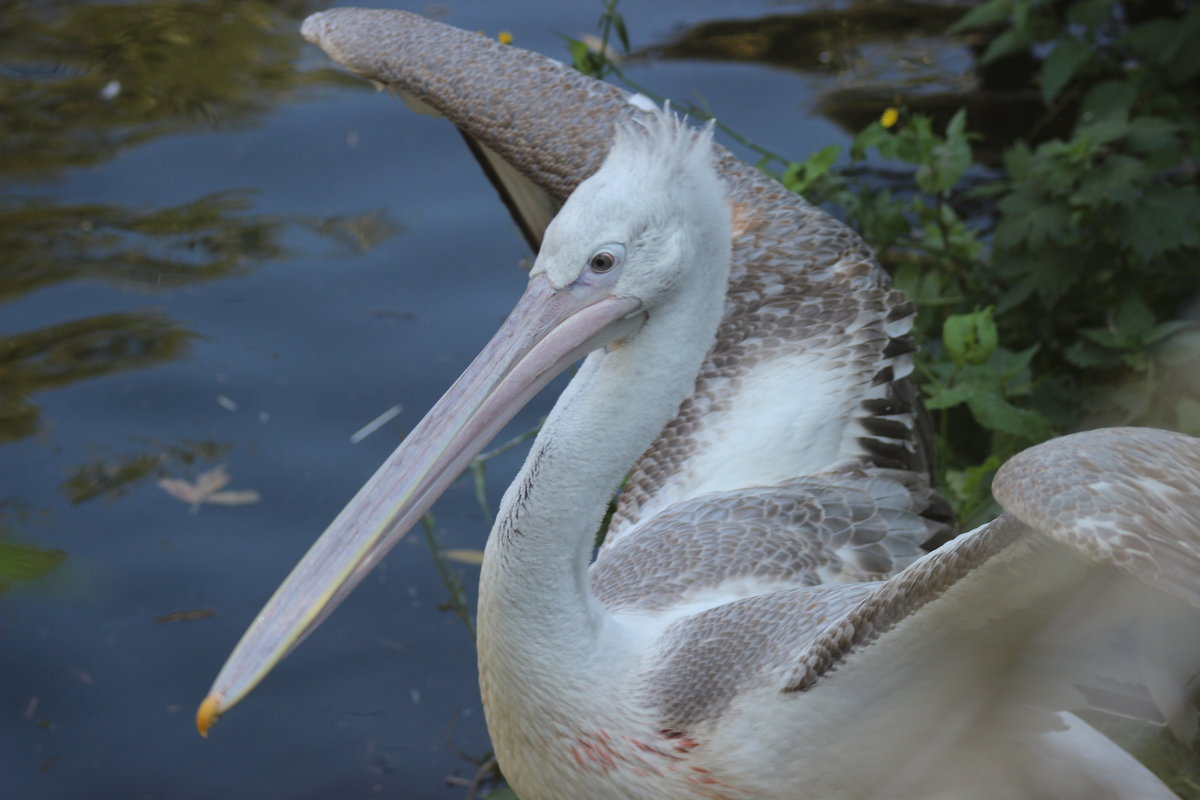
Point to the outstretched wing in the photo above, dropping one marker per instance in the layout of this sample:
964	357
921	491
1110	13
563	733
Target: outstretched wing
1129	497
809	372
1082	595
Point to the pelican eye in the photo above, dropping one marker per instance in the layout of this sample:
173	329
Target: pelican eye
604	260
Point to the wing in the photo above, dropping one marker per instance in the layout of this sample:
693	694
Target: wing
807	306
849	526
1089	580
1082	595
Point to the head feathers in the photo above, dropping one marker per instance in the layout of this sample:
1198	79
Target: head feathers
661	141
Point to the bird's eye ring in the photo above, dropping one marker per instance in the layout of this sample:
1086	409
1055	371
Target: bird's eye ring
602	261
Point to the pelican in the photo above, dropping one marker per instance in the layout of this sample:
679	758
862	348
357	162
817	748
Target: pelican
761	620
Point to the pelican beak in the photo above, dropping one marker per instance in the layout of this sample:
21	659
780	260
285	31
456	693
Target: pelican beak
547	331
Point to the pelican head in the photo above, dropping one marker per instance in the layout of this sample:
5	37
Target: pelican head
651	217
642	244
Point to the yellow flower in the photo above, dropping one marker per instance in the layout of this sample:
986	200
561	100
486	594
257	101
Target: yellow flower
889	117
504	37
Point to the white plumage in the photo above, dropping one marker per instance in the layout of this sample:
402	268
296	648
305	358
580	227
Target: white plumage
760	622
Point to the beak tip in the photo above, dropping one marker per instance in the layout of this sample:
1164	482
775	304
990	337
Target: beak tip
208	713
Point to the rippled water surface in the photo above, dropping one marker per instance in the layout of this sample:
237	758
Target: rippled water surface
219	252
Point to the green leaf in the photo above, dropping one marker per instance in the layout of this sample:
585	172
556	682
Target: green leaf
1184	63
1090	13
873	136
820	162
1069	55
622	32
1018	161
1133	319
800	175
1156	40
579	55
997	414
1051	272
1087	356
951	158
970	488
1021	291
1149	134
1109	99
1007	43
989	13
1013	368
1165	330
1103	337
1165	218
1031	222
940	397
1102	131
1115	181
970	338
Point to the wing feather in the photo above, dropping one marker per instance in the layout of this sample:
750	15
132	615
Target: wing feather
1100	536
808	306
1125	496
1030	611
849	526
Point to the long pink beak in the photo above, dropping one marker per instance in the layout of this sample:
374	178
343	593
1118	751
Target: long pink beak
547	331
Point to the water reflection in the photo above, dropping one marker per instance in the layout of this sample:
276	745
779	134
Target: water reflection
80	84
86	80
110	478
821	40
24	563
83	82
889	54
209	238
57	355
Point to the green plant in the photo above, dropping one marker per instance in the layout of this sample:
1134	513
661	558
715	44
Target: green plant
1048	288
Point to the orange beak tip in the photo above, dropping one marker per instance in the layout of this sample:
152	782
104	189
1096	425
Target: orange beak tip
207	714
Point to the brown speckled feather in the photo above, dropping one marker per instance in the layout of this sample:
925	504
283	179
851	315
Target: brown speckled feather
838	527
1125	496
801	282
772	626
1101	529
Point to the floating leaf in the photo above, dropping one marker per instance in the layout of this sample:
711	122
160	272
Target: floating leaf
465	555
207	488
240	497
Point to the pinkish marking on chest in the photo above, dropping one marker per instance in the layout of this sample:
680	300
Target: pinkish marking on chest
599	753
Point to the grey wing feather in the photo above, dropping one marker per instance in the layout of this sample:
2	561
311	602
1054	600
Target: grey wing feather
1125	496
709	659
799	280
1084	573
853	525
1064	615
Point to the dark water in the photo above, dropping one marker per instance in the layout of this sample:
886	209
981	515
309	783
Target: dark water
218	253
